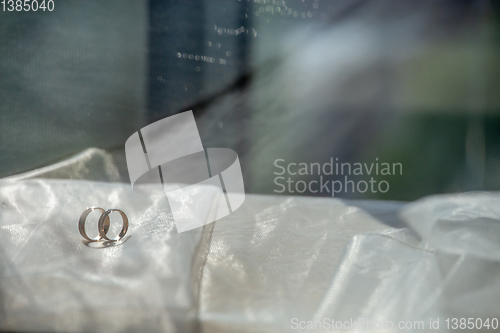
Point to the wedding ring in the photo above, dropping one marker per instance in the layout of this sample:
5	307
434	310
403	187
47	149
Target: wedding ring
103	230
104	221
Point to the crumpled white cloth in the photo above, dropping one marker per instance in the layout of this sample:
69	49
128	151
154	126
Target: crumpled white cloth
274	259
50	280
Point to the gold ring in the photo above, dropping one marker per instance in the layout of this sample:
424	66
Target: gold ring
104	221
102	231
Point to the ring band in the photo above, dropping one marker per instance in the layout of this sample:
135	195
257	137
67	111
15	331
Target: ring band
102	230
104	221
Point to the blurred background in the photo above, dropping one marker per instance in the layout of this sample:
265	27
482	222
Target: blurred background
414	82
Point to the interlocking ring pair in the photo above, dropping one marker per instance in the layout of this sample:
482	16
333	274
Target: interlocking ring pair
103	224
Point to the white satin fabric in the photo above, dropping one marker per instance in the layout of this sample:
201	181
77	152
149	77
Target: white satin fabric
274	259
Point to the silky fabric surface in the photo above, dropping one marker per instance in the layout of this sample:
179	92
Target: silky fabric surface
51	280
274	259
